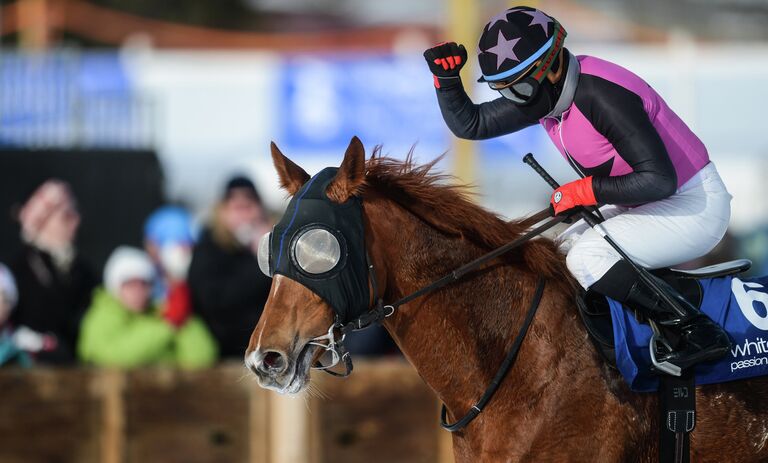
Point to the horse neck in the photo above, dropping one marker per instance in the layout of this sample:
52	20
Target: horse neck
457	336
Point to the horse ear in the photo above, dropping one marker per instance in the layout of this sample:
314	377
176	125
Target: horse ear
351	175
292	177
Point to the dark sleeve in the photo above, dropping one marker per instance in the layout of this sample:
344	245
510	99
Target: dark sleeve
219	282
479	121
618	114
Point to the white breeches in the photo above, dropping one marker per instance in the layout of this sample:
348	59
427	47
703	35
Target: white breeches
663	233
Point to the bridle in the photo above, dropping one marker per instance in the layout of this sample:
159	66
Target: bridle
380	311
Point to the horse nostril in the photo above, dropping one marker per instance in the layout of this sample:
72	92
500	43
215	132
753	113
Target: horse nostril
273	362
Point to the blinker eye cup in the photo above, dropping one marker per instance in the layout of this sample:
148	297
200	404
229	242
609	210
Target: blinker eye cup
263	255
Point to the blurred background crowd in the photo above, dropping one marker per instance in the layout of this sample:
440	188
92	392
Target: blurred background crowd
191	294
135	176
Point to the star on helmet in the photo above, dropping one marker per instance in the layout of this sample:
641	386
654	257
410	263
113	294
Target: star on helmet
540	19
504	49
500	17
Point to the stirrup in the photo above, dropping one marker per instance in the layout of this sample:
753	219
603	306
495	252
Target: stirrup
664	367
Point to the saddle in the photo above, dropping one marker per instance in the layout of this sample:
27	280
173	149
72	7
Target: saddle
624	343
599	318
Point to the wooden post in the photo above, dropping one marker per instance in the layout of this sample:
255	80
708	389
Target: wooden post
463	28
289	429
259	425
113	431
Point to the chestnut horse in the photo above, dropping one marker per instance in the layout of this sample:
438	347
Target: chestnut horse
559	402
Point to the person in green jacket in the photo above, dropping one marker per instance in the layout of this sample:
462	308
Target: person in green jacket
122	328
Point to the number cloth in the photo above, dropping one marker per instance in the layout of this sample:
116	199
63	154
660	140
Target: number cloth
740	305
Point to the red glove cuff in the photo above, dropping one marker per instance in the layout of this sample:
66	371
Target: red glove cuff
573	194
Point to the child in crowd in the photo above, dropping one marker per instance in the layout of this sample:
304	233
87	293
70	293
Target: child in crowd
123	328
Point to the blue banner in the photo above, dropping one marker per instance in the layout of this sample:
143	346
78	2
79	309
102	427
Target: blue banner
383	99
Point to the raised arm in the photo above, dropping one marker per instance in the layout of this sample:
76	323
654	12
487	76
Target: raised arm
463	117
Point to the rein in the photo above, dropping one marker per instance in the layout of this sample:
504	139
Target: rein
381	311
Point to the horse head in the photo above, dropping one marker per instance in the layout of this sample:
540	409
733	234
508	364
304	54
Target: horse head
316	257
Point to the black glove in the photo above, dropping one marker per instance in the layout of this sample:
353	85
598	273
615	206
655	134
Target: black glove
445	60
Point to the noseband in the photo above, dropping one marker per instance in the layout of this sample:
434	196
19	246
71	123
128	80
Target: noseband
380	311
337	349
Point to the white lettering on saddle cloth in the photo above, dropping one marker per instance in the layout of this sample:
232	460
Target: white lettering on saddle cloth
747	301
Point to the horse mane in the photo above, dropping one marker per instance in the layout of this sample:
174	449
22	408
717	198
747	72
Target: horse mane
446	206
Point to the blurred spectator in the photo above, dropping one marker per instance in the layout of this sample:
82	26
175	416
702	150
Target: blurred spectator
10	352
168	239
169	236
54	284
228	289
122	327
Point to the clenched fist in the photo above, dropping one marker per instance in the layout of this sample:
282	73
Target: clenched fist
445	60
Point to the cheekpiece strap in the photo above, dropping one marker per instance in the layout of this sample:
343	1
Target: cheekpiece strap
379	311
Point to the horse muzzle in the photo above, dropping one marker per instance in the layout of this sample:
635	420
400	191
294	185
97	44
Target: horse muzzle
279	371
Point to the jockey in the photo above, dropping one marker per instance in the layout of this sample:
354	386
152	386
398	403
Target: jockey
667	203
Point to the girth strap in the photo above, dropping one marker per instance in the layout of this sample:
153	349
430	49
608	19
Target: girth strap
677	416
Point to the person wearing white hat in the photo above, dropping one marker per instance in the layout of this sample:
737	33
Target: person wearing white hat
128	277
122	328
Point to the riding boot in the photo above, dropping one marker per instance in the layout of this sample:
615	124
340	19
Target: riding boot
700	339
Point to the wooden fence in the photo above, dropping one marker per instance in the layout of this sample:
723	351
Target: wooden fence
382	413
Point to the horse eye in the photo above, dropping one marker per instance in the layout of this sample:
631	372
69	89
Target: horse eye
317	251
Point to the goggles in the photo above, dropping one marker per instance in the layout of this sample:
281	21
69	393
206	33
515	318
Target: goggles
521	92
315	251
523	89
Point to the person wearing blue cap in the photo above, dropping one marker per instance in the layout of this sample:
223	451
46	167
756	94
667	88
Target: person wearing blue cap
169	235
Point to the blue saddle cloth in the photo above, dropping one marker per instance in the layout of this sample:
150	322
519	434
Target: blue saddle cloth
740	305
